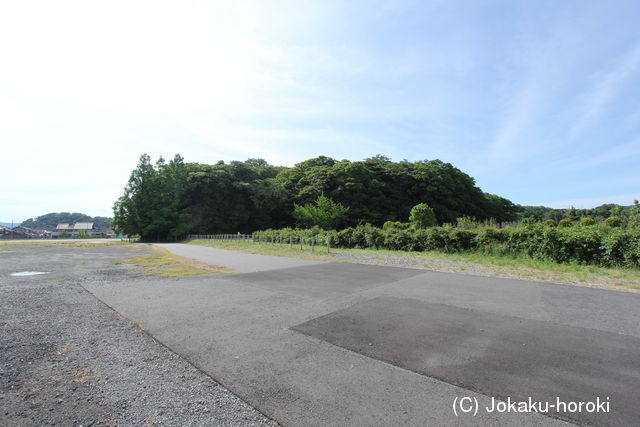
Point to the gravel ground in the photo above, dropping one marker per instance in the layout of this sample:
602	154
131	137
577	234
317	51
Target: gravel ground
66	358
400	260
427	263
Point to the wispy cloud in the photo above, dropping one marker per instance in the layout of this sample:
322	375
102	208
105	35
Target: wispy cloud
531	74
605	90
507	147
622	152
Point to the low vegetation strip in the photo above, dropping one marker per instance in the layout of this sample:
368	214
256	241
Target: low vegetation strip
464	263
598	244
164	263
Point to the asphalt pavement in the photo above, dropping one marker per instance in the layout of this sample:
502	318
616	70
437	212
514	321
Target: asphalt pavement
323	343
238	261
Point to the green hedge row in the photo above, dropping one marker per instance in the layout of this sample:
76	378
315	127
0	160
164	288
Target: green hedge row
598	245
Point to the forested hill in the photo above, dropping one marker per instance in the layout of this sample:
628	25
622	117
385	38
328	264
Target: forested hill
167	200
51	220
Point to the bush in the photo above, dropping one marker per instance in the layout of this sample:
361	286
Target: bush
395	225
491	241
565	223
422	216
598	244
373	236
467	222
550	223
613	221
458	240
587	221
324	213
399	240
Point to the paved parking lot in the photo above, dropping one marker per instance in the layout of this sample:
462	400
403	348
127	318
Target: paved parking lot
345	344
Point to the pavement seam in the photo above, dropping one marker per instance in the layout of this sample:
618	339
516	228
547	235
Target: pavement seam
190	362
433	378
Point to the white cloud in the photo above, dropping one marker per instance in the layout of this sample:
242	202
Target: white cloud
510	143
605	90
622	152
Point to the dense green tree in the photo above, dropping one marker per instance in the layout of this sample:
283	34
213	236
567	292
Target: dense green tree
450	192
134	209
634	215
324	213
422	216
167	200
500	209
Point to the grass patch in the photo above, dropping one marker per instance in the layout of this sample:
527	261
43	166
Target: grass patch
164	263
464	263
149	260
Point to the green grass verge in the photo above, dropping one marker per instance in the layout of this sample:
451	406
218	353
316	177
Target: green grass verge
466	263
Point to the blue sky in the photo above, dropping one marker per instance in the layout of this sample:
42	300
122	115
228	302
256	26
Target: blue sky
538	101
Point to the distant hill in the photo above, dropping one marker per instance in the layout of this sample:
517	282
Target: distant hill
8	224
51	220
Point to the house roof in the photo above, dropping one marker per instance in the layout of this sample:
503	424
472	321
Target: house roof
83	226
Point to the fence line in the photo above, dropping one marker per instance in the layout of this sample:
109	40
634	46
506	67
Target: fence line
219	236
275	239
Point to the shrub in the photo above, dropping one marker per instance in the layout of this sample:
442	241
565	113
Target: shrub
599	245
395	225
634	216
587	221
422	216
550	223
459	240
374	237
565	223
467	222
613	221
325	213
434	238
583	245
399	240
491	240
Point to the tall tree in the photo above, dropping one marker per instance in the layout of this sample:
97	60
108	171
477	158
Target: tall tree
166	200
